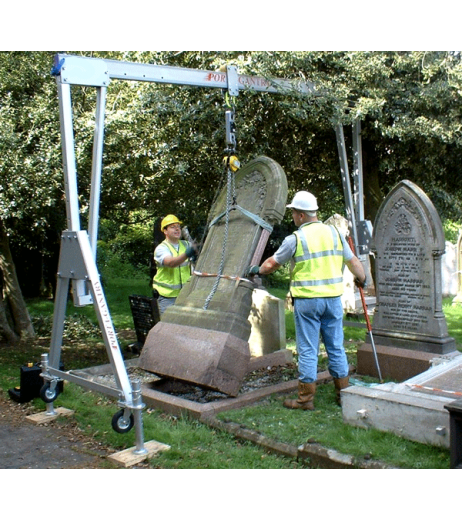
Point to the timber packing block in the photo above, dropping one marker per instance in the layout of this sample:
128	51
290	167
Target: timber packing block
129	457
44	417
204	337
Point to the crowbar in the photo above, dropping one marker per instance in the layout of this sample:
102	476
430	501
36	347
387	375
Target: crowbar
368	322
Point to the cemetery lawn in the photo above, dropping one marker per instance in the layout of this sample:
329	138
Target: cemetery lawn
195	445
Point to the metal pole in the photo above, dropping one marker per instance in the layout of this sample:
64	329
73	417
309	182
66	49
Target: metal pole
138	406
97	162
368	322
69	162
358	171
44	366
349	206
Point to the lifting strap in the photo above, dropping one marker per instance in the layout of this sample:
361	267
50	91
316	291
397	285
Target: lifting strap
257	219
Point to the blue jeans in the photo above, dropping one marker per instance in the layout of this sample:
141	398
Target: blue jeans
312	317
165	303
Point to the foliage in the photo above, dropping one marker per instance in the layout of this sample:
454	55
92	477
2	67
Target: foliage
164	144
76	327
31	201
452	230
126	244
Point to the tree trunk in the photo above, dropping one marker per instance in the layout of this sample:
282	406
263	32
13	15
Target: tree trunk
5	329
372	190
12	294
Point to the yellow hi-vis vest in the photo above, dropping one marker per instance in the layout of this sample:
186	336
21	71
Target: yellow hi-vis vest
318	270
169	281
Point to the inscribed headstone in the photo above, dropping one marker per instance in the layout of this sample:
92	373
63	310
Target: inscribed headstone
409	243
203	338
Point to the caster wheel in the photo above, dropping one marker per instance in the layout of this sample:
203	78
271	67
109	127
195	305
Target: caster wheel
120	424
47	394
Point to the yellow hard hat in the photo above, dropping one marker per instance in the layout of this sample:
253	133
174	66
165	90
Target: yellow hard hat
167	221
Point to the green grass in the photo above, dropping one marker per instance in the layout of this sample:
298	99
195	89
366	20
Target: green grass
453	316
325	426
194	445
117	291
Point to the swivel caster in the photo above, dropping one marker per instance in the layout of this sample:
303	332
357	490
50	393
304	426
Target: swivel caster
121	424
47	394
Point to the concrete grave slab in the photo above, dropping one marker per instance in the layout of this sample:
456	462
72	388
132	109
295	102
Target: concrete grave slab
414	409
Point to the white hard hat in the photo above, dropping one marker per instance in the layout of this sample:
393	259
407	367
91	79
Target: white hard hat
304	201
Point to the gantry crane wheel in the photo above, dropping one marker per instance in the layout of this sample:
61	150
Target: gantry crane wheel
121	424
47	394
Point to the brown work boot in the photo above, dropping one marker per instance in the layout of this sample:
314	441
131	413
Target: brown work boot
340	383
305	398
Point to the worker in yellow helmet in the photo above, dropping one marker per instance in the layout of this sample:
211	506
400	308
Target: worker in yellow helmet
318	253
172	258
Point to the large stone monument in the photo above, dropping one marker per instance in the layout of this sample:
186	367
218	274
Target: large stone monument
409	326
203	338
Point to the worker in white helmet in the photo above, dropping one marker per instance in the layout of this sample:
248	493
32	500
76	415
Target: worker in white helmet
318	253
172	258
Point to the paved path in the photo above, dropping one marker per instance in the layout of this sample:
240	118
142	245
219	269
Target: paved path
24	445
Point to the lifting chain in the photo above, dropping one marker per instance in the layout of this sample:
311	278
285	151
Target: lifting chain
230	198
231	166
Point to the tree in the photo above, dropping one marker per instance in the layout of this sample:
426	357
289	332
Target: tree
12	297
164	144
29	193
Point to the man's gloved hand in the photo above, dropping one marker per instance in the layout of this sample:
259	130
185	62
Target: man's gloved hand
251	271
360	284
191	253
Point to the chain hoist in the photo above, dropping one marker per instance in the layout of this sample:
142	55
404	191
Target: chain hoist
232	165
231	160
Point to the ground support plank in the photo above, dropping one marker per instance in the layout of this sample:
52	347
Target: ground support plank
45	417
128	457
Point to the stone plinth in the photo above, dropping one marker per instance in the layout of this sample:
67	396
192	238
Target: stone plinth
218	298
267	319
205	357
395	363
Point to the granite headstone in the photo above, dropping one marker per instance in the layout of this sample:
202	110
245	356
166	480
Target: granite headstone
204	337
409	244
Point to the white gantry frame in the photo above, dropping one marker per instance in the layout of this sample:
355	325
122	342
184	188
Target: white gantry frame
77	263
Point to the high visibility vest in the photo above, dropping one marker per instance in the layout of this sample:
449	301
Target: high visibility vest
318	270
169	281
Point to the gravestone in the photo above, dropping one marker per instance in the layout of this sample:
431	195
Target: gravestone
267	319
349	288
409	325
449	270
458	298
203	338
